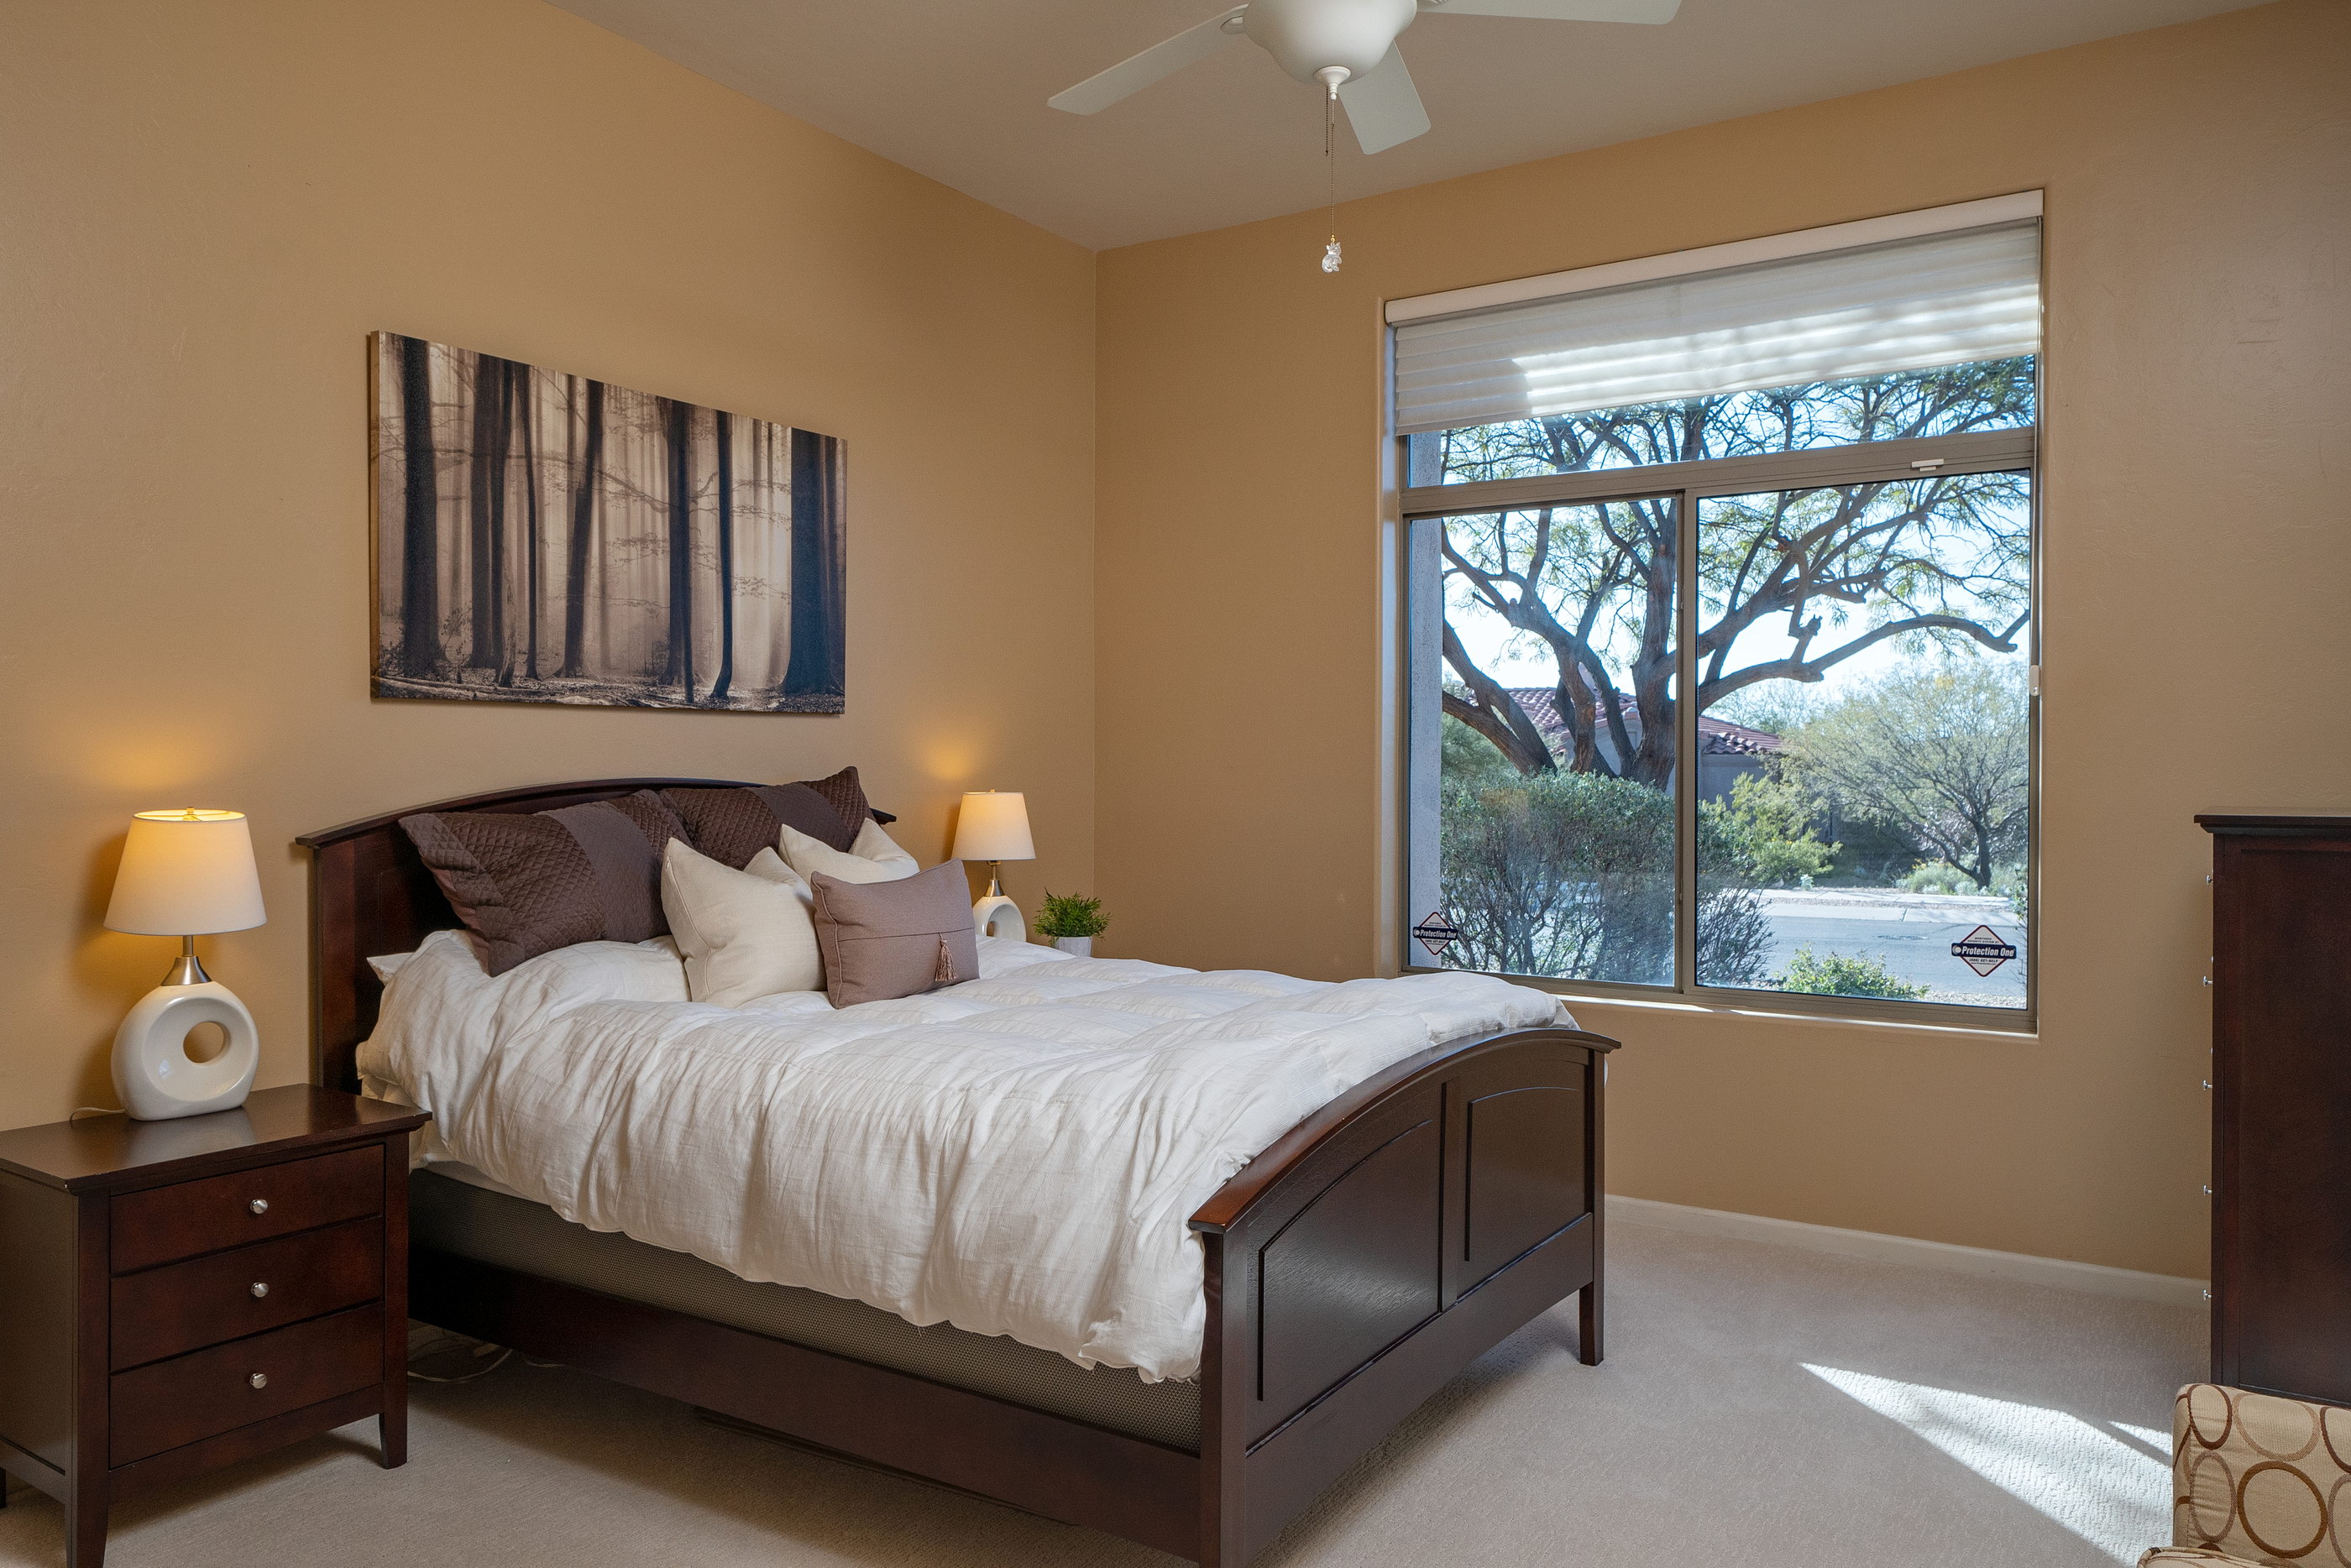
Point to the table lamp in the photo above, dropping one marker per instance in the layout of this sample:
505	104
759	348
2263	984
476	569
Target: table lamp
994	827
185	874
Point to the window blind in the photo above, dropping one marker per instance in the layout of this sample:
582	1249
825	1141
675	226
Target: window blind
1905	305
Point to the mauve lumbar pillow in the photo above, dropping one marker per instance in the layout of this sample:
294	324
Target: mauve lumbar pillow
527	883
902	938
733	823
743	934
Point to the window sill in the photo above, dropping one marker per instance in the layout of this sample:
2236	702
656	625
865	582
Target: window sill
2025	1027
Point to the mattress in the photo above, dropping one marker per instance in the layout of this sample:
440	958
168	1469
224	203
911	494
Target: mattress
513	1232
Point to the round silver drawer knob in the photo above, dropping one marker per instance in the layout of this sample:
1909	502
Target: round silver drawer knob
259	1380
259	1288
260	1206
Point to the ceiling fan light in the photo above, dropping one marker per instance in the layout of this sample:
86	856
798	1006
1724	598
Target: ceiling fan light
1306	37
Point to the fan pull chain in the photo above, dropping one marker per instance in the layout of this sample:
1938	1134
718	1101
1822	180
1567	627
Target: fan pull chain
1330	166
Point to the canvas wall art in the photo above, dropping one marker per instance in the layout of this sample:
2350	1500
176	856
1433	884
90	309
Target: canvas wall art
542	537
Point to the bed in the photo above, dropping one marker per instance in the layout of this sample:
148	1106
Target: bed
1347	1271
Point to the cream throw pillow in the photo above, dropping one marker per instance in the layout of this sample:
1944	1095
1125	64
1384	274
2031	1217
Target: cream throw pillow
744	934
874	857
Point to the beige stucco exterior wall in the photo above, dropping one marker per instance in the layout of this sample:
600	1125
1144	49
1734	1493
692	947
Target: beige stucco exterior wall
2195	557
205	209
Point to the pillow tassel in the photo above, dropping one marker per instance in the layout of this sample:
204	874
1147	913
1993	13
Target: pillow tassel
945	975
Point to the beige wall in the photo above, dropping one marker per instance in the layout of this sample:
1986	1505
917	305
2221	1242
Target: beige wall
205	208
2196	560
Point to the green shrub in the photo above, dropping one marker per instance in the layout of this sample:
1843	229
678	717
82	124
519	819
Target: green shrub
1837	975
1938	877
1071	915
1767	825
1571	876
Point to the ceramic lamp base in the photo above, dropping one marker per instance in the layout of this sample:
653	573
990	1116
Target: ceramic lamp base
154	1074
997	916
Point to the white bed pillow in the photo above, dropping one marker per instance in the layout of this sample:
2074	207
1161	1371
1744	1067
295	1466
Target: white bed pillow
744	934
874	857
389	964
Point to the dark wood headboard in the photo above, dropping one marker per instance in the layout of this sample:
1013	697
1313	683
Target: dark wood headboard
371	895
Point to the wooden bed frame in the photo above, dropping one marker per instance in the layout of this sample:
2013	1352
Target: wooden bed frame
1353	1268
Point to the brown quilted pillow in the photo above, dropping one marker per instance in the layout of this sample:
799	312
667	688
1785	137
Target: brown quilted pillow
885	940
848	797
730	825
528	883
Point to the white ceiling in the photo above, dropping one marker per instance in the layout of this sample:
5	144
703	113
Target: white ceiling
956	89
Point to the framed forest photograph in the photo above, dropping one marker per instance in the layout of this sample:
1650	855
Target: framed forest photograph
542	537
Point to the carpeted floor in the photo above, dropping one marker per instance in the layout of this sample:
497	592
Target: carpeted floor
1761	1407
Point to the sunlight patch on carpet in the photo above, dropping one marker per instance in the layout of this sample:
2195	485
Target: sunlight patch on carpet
2092	1482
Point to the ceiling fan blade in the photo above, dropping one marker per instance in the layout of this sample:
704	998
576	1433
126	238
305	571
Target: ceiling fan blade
1382	106
1100	91
1651	11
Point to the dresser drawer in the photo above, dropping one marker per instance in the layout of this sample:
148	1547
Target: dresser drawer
165	1224
199	1395
227	1295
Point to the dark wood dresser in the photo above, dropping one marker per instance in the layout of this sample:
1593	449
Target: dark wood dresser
2281	1104
177	1295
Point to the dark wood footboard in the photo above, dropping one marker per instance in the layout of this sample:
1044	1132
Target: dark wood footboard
1379	1248
1353	1269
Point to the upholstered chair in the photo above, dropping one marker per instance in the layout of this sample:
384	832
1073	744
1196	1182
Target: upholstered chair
2257	1480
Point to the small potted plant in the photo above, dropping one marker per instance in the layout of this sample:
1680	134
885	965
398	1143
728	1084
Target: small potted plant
1072	921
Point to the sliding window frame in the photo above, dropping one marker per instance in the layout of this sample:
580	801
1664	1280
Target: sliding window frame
1688	484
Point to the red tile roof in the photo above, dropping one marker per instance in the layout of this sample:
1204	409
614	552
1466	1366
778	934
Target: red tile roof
1716	737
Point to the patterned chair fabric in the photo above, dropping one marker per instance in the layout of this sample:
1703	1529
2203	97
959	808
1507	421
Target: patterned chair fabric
2257	1479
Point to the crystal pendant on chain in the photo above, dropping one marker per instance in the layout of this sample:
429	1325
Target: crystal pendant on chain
1331	256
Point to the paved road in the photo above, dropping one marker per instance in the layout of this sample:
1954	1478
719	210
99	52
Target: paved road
1910	933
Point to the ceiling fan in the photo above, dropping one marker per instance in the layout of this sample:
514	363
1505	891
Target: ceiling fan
1348	46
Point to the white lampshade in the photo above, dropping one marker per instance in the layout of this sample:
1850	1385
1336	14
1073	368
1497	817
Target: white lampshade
186	874
994	826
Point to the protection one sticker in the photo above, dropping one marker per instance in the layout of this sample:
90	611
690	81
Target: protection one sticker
1436	933
1982	950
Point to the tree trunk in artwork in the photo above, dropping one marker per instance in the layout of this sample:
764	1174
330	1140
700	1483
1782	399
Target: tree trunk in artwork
818	572
497	461
725	425
678	429
419	601
480	486
583	517
528	400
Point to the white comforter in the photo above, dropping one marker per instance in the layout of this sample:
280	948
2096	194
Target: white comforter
1017	1155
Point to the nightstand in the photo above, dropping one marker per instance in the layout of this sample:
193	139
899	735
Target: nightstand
177	1295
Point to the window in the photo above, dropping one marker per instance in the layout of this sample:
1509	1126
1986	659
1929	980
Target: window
1729	690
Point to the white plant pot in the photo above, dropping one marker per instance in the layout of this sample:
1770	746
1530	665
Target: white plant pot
1080	946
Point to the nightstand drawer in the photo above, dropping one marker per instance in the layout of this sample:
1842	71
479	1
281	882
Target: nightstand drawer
165	1224
229	1295
199	1395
